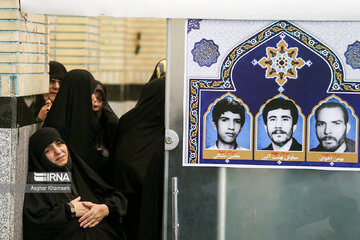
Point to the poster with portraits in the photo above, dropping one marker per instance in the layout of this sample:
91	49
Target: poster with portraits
283	94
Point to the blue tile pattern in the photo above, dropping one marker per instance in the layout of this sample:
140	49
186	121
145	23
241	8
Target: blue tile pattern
205	52
352	55
193	24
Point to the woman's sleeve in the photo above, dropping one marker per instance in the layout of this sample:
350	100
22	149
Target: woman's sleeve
117	204
41	212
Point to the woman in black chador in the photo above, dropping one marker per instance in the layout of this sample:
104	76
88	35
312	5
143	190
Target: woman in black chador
137	160
92	210
76	114
43	102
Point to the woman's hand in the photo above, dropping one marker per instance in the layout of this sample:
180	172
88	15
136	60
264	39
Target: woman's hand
44	110
80	209
94	216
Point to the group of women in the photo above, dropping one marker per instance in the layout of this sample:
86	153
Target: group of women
116	164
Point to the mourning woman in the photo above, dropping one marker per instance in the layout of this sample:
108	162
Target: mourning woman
91	210
107	122
137	160
89	128
43	102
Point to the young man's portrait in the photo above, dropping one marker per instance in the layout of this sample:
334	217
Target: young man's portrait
228	118
332	126
280	118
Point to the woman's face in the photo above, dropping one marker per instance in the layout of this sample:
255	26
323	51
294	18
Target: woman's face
97	100
57	153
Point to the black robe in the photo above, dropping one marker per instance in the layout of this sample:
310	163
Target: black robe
137	162
36	107
72	115
108	123
48	216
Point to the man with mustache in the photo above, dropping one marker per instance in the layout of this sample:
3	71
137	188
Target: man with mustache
331	128
228	119
280	118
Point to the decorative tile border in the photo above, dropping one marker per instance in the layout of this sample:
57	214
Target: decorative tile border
193	24
285	28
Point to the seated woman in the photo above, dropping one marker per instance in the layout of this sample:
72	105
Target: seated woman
92	210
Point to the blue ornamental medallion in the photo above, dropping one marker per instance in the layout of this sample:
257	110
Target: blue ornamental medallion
205	52
352	55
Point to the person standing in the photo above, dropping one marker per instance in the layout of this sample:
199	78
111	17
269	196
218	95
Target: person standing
89	131
137	160
44	102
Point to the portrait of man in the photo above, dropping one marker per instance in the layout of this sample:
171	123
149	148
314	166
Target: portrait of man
332	125
280	118
228	118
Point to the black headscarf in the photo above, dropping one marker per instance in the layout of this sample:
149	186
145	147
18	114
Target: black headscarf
72	115
57	70
47	215
137	161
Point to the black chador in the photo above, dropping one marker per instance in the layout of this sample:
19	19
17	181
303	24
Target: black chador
72	115
48	215
137	161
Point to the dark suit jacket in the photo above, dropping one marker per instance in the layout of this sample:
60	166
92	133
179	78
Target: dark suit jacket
295	146
350	146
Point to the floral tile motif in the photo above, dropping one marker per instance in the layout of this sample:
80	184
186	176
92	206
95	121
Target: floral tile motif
281	63
205	52
352	55
193	24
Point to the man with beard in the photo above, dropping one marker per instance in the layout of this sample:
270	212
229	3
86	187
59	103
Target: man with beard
331	128
280	117
228	119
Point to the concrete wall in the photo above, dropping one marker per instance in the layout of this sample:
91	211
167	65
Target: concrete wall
24	47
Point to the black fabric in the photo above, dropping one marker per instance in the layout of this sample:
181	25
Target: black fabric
48	216
57	70
107	129
151	210
136	161
295	146
72	115
139	138
37	105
